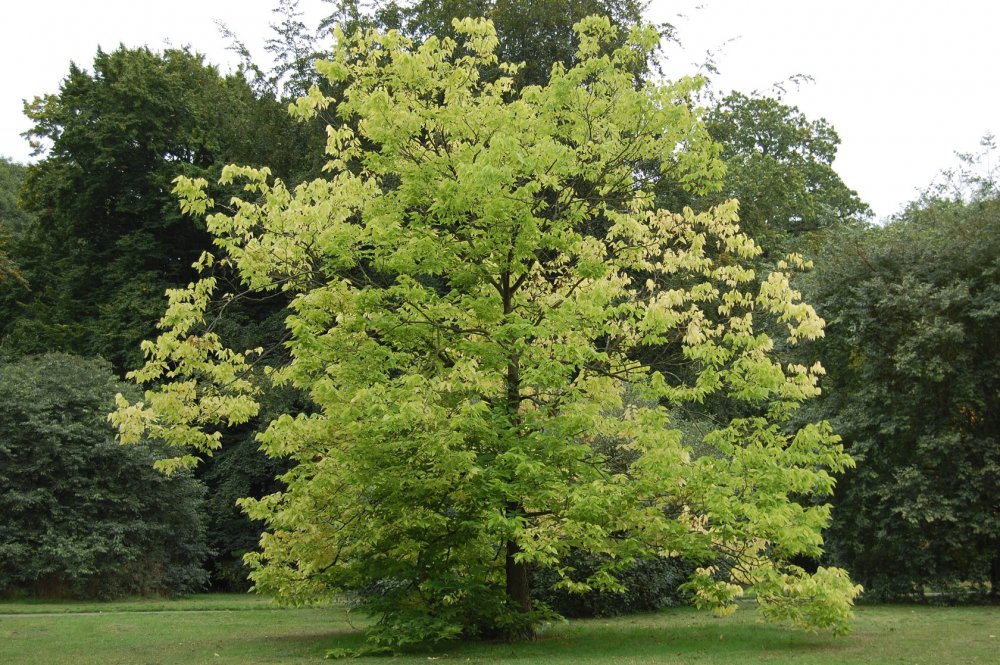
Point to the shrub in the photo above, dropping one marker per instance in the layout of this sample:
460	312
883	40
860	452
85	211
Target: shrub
81	516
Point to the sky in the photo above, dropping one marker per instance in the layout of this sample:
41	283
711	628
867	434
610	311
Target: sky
906	85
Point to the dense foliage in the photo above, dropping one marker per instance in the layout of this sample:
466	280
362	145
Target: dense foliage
12	219
779	166
470	302
537	34
81	515
649	584
107	238
87	269
90	237
913	310
239	470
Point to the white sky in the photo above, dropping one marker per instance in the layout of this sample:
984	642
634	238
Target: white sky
905	84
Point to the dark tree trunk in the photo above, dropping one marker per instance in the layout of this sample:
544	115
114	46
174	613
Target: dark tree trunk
518	590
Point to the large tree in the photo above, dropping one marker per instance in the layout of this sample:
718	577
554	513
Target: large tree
106	238
473	289
89	265
779	165
914	388
537	34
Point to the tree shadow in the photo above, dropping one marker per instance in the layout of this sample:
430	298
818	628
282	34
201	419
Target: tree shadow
643	638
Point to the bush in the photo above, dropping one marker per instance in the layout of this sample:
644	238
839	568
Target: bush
81	516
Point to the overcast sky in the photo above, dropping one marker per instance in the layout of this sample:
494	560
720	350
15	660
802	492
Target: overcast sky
905	84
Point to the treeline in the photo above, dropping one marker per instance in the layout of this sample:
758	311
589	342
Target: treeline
91	237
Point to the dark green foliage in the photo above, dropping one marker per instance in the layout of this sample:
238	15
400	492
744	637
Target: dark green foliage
12	222
651	584
913	311
240	470
81	516
779	165
109	237
12	174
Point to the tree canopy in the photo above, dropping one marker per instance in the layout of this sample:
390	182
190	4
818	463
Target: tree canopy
536	34
779	165
472	288
12	218
913	388
106	238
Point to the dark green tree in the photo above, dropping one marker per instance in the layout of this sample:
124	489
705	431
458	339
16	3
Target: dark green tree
13	220
109	237
779	166
80	515
913	311
105	237
537	33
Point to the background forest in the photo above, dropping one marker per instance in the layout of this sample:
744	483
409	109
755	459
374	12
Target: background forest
92	236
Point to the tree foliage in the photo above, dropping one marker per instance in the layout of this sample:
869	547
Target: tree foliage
779	165
914	387
107	238
537	34
12	219
472	288
240	469
81	515
650	584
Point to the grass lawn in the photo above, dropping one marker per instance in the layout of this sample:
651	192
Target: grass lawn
233	629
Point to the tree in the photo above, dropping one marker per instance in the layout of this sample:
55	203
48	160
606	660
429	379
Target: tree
779	165
292	48
237	471
12	218
914	388
80	515
537	34
107	239
472	289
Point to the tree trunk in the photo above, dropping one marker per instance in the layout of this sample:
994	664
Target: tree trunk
518	590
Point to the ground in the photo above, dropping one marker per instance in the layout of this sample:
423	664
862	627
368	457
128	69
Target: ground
249	630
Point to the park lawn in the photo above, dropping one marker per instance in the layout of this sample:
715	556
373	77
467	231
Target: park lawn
249	631
192	603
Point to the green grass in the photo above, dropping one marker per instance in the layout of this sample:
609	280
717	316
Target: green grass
249	630
198	602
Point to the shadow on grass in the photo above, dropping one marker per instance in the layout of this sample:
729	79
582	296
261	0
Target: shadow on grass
313	642
654	638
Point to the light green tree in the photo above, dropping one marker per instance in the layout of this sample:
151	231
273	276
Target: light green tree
473	287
